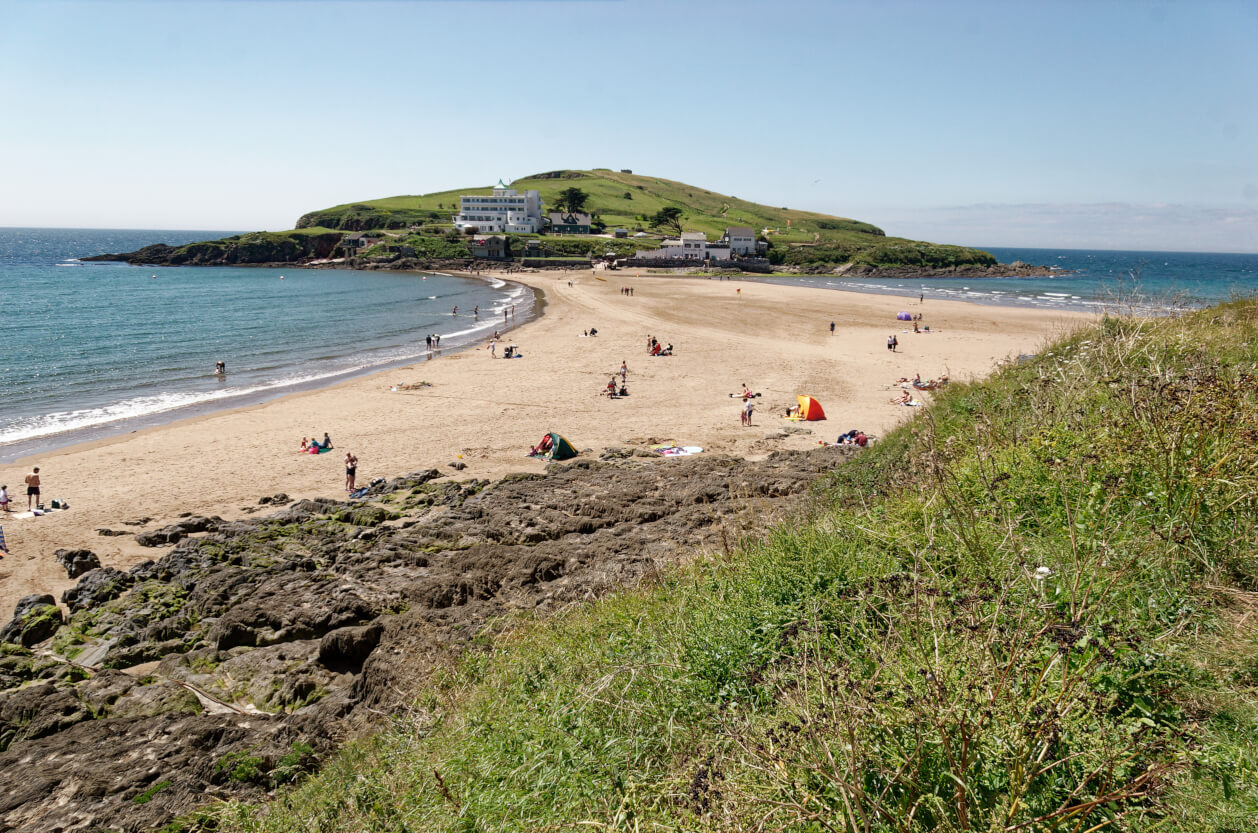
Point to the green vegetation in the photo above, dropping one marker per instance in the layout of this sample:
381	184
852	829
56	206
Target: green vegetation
1030	609
643	203
147	796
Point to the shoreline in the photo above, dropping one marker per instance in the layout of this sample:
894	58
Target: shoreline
486	414
23	450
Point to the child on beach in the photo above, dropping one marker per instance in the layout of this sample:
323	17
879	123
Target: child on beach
4	498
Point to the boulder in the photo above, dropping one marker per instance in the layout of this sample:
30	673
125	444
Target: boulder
176	532
77	562
97	587
35	618
346	649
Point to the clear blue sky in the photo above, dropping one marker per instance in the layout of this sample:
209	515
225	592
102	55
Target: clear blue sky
1100	124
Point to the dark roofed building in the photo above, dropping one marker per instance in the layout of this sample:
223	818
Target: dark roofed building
568	222
493	247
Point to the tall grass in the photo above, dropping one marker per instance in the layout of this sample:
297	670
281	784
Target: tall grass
1030	609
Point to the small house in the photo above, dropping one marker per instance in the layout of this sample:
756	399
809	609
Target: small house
740	239
355	243
493	247
568	222
620	232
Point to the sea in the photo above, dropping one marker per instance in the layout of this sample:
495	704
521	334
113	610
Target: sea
1144	283
90	350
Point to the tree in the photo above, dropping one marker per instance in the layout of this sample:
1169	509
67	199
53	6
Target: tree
668	218
571	199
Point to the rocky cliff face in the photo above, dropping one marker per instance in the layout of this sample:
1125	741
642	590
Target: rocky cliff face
236	661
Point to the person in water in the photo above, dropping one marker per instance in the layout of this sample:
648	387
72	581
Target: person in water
220	368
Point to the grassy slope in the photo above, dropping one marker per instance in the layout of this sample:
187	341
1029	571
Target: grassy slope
703	210
1029	609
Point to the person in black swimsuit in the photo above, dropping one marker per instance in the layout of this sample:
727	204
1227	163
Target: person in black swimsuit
351	470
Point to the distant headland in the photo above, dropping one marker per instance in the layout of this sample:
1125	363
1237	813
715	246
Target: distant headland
567	218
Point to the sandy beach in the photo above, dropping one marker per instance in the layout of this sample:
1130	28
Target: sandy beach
487	413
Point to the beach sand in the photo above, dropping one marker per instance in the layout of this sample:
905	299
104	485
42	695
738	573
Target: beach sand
487	413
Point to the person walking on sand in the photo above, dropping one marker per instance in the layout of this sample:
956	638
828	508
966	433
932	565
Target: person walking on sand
831	328
32	489
351	470
624	371
891	343
493	348
4	499
748	409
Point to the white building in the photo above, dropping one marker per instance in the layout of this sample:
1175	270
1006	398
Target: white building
692	245
740	239
504	211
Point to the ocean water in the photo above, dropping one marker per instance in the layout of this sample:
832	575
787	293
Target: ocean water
1141	282
93	349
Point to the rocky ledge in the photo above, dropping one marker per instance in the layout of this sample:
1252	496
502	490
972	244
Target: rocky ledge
239	659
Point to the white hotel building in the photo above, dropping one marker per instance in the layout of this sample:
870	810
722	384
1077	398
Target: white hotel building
505	211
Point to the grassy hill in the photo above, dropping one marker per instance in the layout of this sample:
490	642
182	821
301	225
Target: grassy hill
628	200
1030	609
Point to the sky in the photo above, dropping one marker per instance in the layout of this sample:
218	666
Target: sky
1107	124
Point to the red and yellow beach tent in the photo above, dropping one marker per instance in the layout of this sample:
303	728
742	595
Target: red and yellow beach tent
810	409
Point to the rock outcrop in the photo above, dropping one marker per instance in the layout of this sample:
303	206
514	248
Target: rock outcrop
237	660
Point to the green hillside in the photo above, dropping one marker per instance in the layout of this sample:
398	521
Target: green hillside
1030	609
625	200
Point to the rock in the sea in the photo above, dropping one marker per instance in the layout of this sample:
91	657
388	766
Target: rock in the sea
35	618
77	562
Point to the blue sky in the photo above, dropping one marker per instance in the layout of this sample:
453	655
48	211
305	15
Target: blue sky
1099	124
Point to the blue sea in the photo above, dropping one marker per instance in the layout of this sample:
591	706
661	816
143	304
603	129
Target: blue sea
95	349
1149	283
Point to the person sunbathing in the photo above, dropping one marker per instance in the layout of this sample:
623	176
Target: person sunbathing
903	399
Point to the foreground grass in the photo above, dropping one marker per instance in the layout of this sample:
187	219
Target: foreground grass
1029	609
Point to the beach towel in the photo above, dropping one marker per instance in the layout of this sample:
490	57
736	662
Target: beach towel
676	450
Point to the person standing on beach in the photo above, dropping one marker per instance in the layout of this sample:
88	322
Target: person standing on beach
32	489
4	498
748	409
831	328
351	470
891	343
493	348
